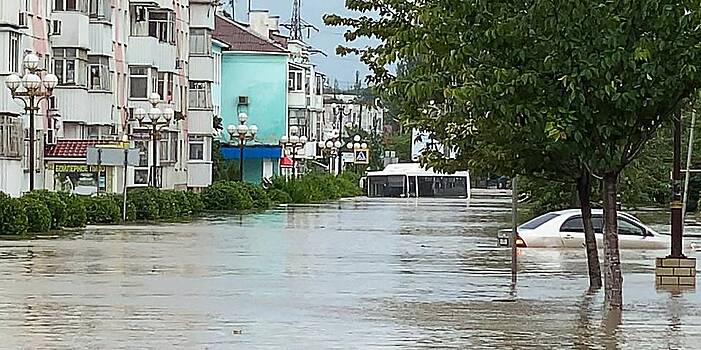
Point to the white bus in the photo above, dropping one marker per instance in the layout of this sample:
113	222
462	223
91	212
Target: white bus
411	180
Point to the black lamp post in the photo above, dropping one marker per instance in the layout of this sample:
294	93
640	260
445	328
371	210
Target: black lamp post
293	142
331	148
339	113
31	97
155	120
242	133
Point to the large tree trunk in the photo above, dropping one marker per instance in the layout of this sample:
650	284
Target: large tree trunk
584	192
613	280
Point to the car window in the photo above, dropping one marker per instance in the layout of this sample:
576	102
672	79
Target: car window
537	222
573	224
598	223
626	227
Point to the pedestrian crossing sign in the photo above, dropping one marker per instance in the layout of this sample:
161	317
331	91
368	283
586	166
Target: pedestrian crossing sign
361	156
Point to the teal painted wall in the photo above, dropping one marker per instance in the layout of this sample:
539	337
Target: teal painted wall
263	78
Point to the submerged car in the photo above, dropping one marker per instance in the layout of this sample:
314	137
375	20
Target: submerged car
565	229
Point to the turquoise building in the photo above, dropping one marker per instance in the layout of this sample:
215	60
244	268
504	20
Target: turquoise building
253	81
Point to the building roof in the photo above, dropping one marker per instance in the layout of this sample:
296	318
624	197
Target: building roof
241	39
73	148
413	169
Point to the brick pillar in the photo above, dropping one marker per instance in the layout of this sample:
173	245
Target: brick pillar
675	272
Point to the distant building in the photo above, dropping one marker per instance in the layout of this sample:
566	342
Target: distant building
365	114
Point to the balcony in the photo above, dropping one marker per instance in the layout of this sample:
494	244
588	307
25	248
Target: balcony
101	38
201	14
164	4
297	99
149	51
199	121
199	173
201	68
75	30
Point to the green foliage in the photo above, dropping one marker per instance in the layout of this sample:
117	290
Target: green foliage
75	214
545	196
260	197
54	203
13	218
103	209
146	203
172	205
223	169
400	143
195	202
227	196
318	187
279	196
38	215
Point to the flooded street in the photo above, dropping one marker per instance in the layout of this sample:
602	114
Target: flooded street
359	274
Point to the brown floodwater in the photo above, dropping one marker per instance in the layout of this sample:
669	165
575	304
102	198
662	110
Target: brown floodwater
358	274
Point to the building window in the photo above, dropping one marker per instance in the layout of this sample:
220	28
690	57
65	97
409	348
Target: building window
10	136
70	66
168	147
196	143
71	5
200	41
200	94
100	9
14	52
100	77
139	78
319	85
161	25
141	176
294	82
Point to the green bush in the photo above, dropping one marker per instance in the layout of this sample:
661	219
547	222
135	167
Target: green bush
317	187
260	197
195	201
38	215
146	203
53	201
75	215
173	204
103	209
227	196
13	218
279	196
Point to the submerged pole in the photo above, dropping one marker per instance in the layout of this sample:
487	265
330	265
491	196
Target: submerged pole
514	231
688	165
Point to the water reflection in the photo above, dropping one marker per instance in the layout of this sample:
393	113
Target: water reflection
354	274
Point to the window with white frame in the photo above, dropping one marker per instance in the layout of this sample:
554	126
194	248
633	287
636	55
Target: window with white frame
70	66
100	9
14	53
10	136
161	25
319	85
164	85
100	77
168	146
200	41
196	143
200	94
294	82
71	5
142	80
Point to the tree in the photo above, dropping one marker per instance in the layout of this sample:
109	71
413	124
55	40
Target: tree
598	77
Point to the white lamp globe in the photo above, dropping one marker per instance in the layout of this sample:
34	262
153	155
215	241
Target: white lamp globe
321	144
31	61
284	139
242	129
329	144
303	139
294	139
155	114
254	129
356	138
13	82
294	130
139	113
31	82
231	129
356	145
338	144
154	98
168	114
50	81
243	118
349	145
363	145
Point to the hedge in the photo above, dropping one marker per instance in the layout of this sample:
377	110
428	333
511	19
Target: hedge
41	211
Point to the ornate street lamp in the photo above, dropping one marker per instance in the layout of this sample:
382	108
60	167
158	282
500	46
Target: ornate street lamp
293	142
331	150
339	113
31	96
242	133
155	120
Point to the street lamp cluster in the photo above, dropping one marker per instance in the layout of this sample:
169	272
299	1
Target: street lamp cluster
31	96
242	133
155	120
291	144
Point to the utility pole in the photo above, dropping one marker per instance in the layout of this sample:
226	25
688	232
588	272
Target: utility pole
296	22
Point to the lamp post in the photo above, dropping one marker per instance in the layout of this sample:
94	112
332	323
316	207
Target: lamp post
331	148
339	113
31	96
155	120
242	133
356	145
294	142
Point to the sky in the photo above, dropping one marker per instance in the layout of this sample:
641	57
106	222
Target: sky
326	40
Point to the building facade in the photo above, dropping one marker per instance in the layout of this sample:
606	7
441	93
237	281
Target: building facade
110	56
254	81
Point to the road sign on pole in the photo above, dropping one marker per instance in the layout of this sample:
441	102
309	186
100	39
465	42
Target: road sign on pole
362	156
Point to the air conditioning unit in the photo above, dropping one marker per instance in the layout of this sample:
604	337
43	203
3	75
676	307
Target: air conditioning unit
23	20
243	100
56	27
141	14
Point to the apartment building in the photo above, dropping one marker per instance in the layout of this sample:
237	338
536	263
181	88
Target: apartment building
111	57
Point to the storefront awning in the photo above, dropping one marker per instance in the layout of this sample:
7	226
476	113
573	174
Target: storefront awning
251	152
73	149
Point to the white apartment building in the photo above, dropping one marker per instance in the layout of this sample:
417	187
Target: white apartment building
352	111
110	56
